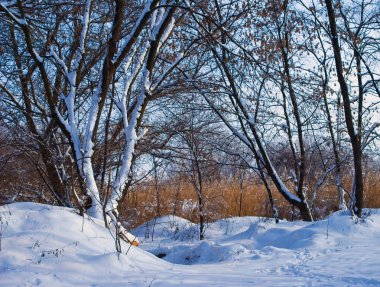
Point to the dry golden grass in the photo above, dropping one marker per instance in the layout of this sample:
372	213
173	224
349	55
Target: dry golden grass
372	190
222	199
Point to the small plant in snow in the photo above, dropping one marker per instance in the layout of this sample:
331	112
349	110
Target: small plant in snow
56	252
36	244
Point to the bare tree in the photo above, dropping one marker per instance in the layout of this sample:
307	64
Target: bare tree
75	96
354	33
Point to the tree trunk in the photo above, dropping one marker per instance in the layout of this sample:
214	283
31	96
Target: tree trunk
355	137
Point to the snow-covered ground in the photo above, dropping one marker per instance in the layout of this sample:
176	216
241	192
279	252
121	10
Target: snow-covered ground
43	245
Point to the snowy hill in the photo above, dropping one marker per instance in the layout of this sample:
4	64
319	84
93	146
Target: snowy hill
43	245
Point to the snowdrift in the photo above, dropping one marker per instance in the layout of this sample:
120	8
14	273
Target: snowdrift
53	246
43	245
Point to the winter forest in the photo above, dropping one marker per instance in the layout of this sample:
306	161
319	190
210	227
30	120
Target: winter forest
132	112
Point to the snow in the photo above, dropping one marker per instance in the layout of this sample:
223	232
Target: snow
37	55
4	5
148	6
42	245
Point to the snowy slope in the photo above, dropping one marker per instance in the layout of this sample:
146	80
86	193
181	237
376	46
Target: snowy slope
45	246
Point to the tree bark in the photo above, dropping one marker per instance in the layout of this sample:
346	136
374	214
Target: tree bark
355	136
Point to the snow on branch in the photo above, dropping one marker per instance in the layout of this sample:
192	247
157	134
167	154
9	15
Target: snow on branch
131	36
60	62
85	24
367	134
179	58
4	7
229	126
135	71
129	147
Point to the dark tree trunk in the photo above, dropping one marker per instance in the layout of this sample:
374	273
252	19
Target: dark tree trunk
355	137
